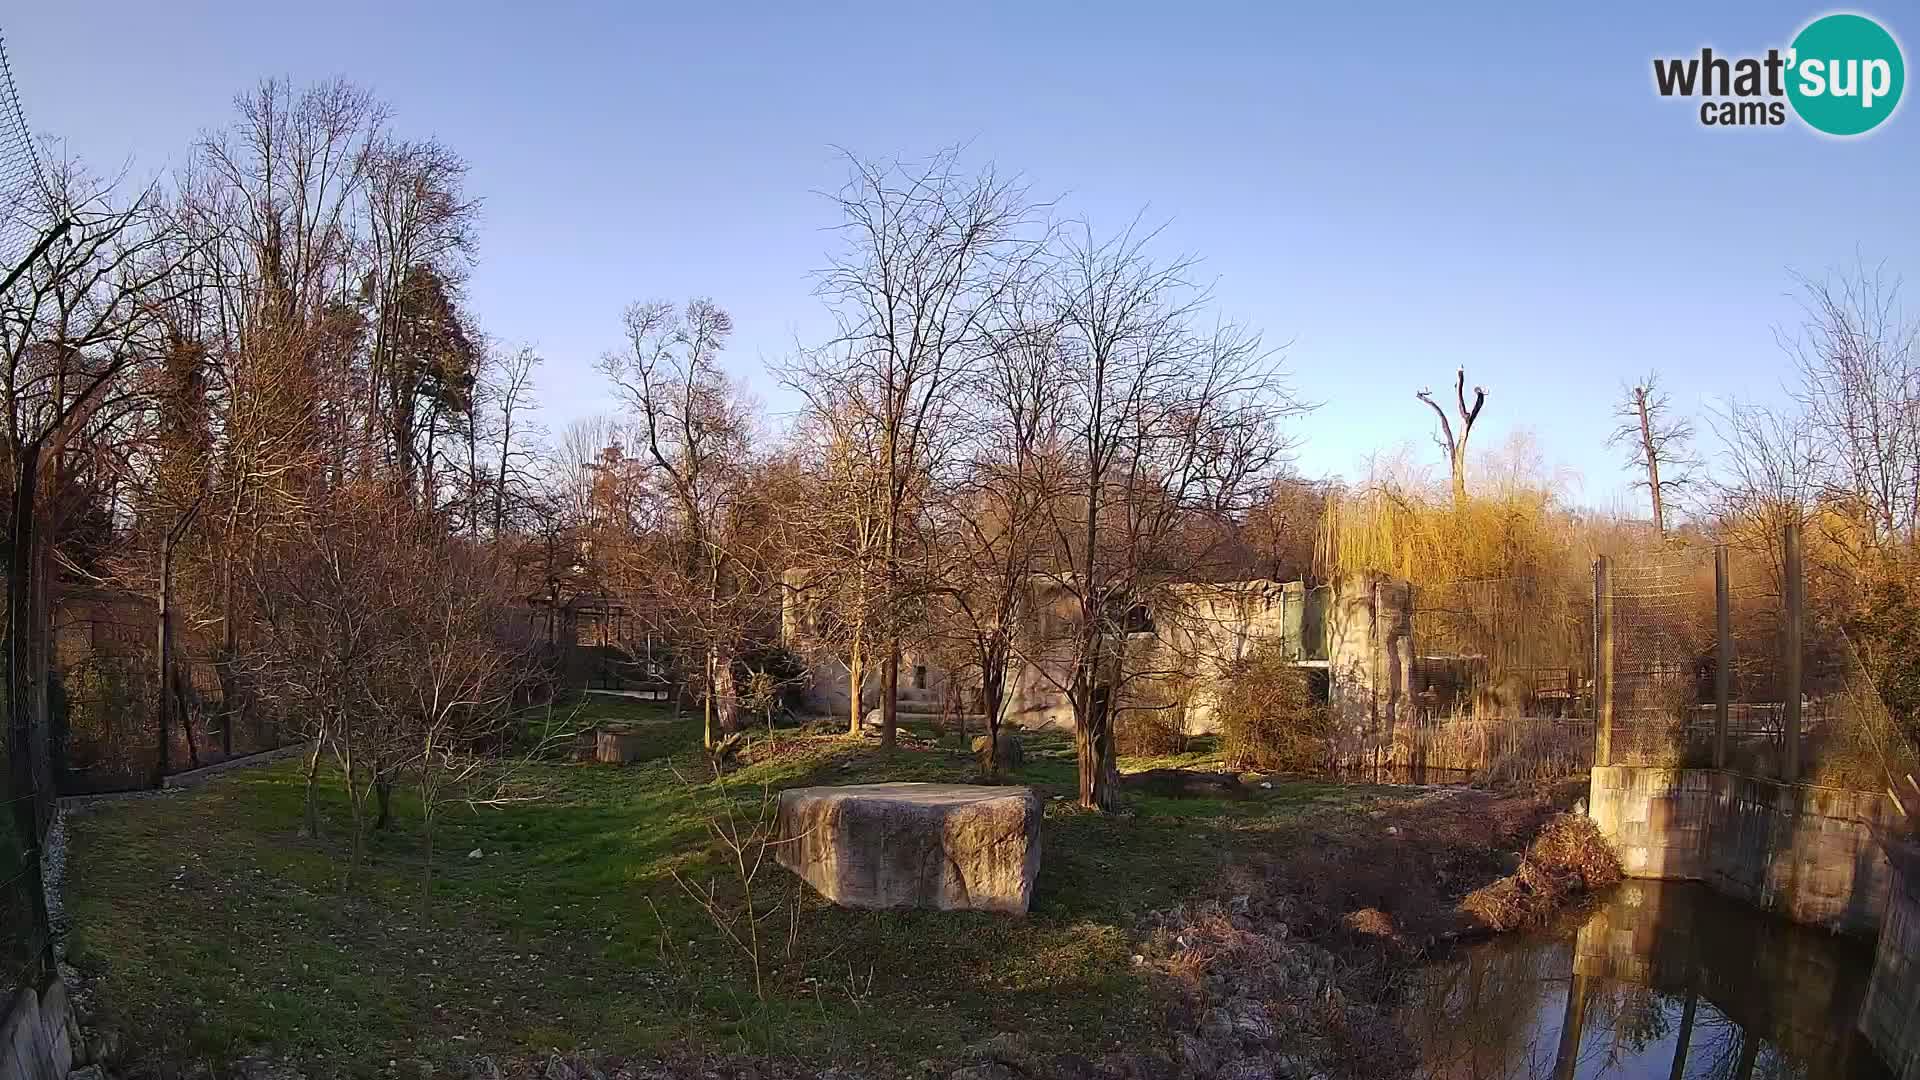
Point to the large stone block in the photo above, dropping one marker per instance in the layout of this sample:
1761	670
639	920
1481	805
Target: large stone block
945	846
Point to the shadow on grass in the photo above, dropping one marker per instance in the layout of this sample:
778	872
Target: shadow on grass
209	927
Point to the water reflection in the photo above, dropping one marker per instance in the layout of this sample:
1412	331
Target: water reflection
1663	980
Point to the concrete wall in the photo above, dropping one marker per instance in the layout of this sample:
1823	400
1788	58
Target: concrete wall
1809	854
1198	631
1369	666
38	1035
1891	1017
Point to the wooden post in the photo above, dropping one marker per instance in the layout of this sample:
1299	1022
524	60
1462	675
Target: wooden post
1796	590
1723	675
1603	660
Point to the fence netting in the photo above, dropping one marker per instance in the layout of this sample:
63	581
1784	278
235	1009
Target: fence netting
20	176
25	794
1668	645
23	939
1502	680
1662	637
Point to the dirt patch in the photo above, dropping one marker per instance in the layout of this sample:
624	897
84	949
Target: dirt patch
1289	969
1391	880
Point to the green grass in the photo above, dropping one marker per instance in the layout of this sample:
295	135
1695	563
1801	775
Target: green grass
209	928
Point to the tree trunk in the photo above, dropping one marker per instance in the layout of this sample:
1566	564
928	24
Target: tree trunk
20	627
993	680
311	807
182	687
708	738
383	791
1099	765
890	697
1653	462
163	682
856	675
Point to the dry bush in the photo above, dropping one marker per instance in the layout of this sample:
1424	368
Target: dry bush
1567	858
1269	720
1153	721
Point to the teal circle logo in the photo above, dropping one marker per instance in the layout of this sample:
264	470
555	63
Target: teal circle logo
1845	74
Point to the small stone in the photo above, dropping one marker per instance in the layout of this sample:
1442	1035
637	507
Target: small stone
1071	1067
1253	1068
1195	1056
1006	1048
1138	959
482	1068
1393	830
1267	784
1249	1020
992	1070
558	1069
475	853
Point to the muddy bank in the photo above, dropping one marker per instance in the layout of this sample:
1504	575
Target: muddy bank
1416	875
1289	968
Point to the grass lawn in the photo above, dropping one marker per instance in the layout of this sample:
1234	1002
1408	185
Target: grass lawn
208	928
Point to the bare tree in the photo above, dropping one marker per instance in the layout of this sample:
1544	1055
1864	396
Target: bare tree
1858	357
1166	424
74	329
834	537
927	250
697	430
1659	445
1452	444
1014	412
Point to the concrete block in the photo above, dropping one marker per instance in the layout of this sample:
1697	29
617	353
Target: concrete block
940	846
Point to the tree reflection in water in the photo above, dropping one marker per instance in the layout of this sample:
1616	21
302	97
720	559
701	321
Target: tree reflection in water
1662	981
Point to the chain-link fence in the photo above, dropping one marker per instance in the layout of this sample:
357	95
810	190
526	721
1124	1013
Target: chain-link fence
20	176
25	776
1660	632
1501	681
1714	656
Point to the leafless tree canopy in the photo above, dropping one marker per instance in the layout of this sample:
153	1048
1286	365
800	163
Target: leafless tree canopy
1659	446
1451	443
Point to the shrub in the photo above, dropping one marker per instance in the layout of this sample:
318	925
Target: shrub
1153	718
1269	719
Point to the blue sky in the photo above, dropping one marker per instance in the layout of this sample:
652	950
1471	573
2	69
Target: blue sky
1394	190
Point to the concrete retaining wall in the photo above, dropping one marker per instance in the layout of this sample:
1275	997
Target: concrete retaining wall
1810	854
38	1035
1891	1017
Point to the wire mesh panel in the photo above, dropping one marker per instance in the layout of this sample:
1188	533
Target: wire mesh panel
25	785
1501	684
1663	644
20	176
1756	621
23	930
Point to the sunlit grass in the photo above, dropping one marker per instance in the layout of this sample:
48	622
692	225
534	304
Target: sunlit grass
210	928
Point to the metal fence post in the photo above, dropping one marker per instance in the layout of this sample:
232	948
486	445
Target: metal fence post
1796	598
1723	674
1603	660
